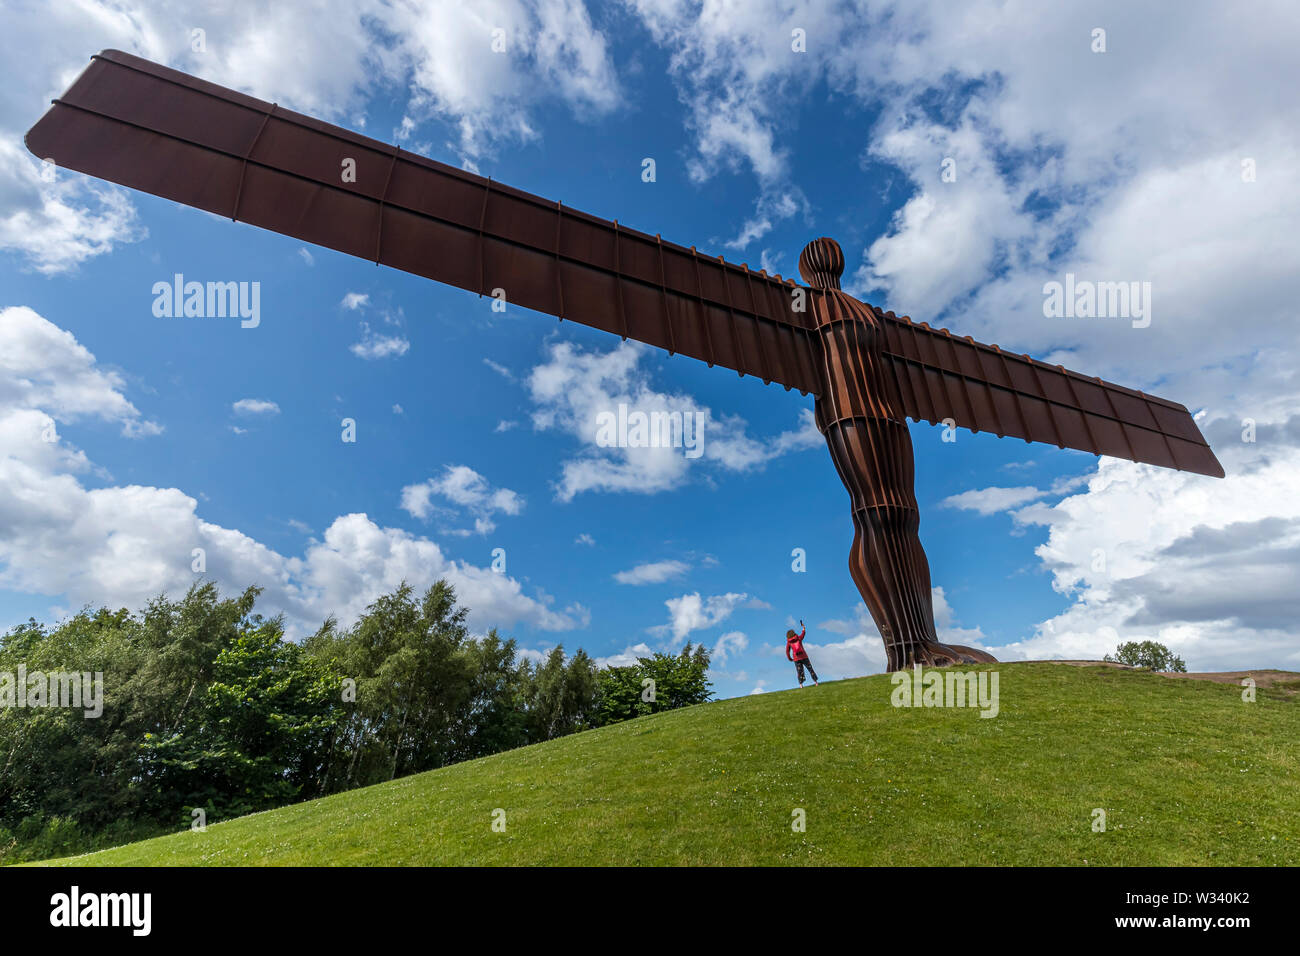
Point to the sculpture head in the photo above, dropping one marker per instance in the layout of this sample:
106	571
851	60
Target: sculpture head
822	263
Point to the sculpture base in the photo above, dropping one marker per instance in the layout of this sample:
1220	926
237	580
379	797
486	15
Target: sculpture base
936	654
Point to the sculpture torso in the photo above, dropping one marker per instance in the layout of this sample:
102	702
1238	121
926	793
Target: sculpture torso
866	432
854	381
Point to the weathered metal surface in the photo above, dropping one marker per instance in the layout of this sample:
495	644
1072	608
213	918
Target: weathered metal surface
940	376
164	132
862	418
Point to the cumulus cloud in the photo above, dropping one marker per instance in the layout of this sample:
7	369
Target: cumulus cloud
1207	567
122	545
573	388
376	346
862	651
358	559
728	645
626	657
55	226
43	366
691	612
465	488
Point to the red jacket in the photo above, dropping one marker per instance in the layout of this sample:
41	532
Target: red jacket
794	647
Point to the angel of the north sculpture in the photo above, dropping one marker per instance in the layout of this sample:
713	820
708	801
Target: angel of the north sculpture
147	127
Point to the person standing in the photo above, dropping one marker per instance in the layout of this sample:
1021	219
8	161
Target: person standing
794	651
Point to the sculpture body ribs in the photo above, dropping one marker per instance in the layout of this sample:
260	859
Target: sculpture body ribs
152	128
861	416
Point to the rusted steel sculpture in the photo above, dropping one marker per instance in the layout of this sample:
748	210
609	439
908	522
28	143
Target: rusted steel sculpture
151	128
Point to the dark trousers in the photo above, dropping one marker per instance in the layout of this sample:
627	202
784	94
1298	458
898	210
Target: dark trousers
800	665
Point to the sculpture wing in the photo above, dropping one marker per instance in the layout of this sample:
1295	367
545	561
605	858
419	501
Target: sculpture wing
940	376
148	127
155	129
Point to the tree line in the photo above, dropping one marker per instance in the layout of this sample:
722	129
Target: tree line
210	712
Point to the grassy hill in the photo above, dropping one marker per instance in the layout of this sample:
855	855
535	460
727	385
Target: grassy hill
1186	771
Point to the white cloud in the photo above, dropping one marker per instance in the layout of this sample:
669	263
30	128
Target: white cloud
573	388
586	539
124	545
653	573
44	366
499	369
862	651
729	644
121	546
464	488
357	560
1207	567
987	501
771	207
446	56
55	226
627	657
856	656
376	346
353	301
691	612
255	406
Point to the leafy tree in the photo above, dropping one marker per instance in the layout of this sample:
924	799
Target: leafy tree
257	734
678	681
559	698
493	716
413	668
1148	654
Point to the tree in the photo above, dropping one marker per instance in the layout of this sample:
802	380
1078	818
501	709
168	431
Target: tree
654	684
559	698
1148	654
413	670
206	704
257	734
493	716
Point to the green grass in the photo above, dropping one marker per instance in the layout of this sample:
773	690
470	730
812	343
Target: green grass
1187	773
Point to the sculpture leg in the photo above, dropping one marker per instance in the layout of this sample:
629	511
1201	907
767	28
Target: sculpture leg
888	564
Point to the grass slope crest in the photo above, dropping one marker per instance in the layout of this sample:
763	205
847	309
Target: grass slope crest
1186	772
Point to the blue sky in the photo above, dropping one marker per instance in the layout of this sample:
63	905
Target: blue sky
471	434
